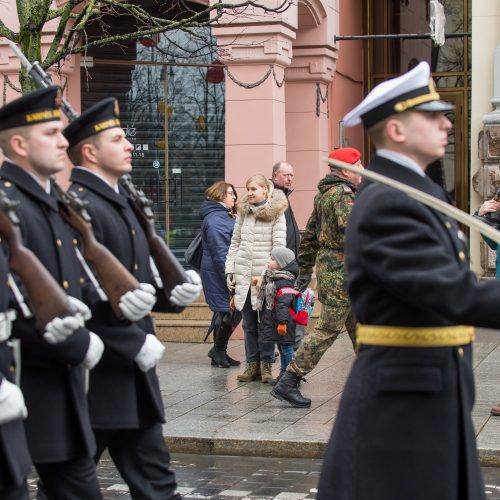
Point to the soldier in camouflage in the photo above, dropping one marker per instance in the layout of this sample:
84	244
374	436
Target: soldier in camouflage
323	245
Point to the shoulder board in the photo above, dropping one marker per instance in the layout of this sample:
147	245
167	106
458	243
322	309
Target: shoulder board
346	188
288	290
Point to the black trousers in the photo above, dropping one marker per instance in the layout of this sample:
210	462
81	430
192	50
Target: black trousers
15	492
142	458
71	480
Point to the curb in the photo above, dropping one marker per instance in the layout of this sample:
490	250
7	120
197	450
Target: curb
275	448
246	447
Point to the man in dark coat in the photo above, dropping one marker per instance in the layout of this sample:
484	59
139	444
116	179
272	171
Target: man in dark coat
404	429
58	429
282	178
125	403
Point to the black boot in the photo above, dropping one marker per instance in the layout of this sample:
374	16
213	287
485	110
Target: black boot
218	351
287	389
226	328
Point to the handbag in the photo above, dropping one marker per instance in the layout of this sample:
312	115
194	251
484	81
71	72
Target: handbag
194	253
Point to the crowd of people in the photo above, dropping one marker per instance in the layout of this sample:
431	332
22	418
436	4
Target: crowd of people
392	272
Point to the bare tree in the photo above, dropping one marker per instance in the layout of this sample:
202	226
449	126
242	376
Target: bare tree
73	19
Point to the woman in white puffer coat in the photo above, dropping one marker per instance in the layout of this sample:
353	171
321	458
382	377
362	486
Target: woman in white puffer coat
260	227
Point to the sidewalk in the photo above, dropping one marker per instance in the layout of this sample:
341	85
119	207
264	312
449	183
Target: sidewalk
209	411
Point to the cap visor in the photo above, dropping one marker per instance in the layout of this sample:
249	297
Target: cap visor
440	106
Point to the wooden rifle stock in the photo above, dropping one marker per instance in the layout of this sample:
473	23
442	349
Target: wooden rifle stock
169	268
47	299
113	276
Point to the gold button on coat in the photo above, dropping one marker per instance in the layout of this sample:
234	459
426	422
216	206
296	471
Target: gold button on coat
65	284
461	255
59	243
460	352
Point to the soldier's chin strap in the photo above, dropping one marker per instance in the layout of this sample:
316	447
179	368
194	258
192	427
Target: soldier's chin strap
424	198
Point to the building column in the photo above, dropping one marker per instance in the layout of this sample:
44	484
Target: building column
308	122
255	115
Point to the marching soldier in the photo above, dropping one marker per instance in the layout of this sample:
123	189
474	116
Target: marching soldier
323	245
404	429
126	408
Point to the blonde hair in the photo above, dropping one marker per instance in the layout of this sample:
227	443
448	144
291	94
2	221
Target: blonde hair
262	181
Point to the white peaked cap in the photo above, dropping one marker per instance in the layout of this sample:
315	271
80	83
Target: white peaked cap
413	90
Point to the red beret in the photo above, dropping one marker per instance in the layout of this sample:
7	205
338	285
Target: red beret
347	155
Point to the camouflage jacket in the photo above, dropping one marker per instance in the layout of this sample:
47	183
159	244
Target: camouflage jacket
323	240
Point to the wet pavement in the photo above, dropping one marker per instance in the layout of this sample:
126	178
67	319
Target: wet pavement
209	411
238	478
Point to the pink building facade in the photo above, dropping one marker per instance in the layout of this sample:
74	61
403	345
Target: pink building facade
293	115
287	83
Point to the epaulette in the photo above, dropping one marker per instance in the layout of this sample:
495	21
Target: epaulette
346	188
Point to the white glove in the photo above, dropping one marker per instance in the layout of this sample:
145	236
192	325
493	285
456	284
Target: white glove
81	309
137	303
183	295
12	404
150	354
6	319
94	352
59	329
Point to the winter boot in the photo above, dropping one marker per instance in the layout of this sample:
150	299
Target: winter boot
266	369
218	351
287	389
252	372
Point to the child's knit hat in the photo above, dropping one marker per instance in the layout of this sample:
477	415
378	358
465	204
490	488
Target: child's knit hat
283	256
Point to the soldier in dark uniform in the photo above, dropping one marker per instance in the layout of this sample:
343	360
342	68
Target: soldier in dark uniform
125	402
404	429
15	461
58	429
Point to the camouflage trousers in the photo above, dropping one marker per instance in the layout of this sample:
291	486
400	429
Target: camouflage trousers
330	324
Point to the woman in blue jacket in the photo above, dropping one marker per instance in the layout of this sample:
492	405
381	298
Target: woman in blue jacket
218	213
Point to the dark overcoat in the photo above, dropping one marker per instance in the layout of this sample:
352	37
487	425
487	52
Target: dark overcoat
269	319
404	429
292	228
216	231
121	395
52	378
15	462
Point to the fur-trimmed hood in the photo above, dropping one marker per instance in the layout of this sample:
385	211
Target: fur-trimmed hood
269	211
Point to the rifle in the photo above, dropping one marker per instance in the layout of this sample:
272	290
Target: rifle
48	300
115	279
42	79
169	268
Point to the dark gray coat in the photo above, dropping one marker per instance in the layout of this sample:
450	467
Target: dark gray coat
52	378
404	428
120	395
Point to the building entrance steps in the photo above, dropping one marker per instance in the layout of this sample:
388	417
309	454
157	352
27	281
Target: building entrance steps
209	411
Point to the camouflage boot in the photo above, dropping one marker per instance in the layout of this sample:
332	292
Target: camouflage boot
266	371
252	372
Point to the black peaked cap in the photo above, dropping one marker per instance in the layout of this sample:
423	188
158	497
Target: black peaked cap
42	105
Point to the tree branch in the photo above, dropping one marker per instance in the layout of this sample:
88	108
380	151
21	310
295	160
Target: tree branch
7	33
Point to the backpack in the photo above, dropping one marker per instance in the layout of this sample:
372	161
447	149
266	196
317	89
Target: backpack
194	253
302	305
